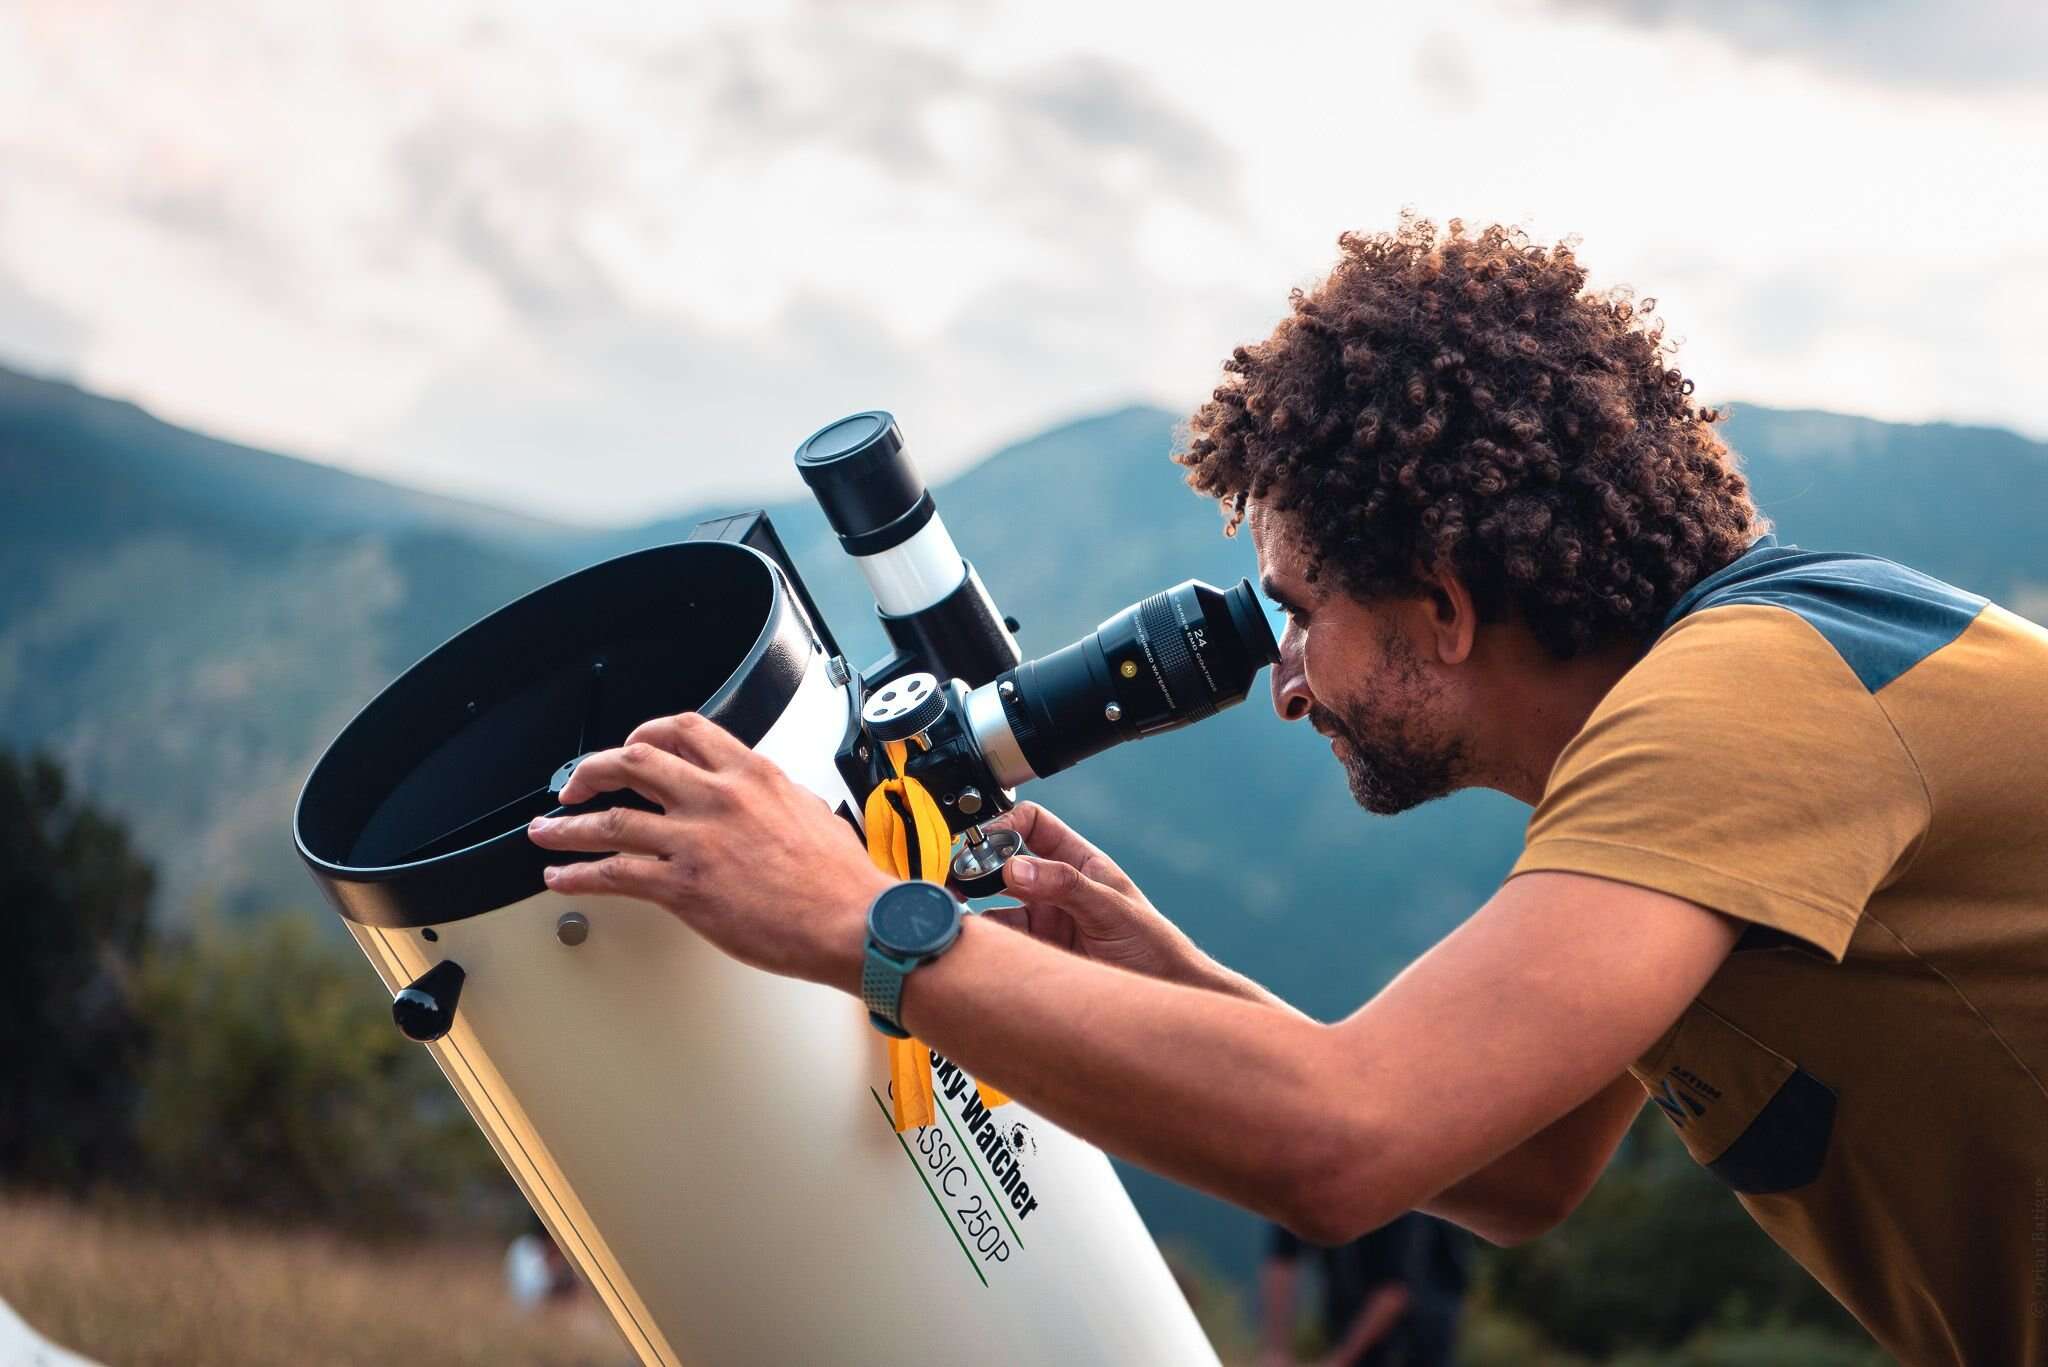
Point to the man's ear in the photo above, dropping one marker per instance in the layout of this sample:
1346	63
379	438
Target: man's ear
1453	617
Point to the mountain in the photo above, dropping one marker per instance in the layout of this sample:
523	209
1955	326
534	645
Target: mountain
186	624
185	621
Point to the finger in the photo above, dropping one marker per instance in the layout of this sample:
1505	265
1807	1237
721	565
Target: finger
693	736
1050	883
1015	917
622	875
624	830
1051	838
1049	924
647	769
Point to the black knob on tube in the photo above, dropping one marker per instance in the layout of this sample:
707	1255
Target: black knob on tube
425	1009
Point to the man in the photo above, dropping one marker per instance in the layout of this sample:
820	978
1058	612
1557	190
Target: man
1787	868
1390	1299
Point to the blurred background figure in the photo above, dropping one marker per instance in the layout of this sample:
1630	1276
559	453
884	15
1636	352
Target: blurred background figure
1390	1299
536	1273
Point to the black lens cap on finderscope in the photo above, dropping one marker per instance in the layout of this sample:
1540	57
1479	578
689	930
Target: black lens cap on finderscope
858	471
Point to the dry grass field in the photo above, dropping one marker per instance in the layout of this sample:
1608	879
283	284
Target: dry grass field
128	1290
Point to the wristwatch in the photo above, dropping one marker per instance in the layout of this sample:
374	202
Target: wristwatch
909	924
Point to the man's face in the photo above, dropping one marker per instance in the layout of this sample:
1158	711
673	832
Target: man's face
1361	675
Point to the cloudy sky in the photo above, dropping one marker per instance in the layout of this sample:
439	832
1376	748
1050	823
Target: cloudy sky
608	263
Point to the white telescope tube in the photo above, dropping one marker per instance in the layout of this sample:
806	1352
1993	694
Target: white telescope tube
709	1144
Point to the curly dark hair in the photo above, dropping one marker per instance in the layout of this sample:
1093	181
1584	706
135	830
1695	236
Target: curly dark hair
1460	402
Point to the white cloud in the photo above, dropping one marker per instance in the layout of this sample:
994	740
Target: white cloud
611	261
1964	44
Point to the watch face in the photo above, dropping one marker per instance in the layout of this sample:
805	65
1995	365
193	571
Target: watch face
915	918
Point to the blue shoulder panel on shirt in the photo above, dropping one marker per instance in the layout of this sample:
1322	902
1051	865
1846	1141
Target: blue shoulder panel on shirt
1880	617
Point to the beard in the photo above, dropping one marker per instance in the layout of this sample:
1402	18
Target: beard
1392	758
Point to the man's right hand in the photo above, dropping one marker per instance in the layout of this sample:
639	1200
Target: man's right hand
1075	897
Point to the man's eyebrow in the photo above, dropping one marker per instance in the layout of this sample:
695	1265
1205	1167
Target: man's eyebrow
1276	593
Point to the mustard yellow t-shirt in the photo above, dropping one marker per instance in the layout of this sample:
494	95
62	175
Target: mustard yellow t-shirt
1851	757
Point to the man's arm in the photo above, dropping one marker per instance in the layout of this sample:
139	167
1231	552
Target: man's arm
1079	899
1529	1189
1516	1020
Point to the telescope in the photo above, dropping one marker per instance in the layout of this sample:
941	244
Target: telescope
710	1145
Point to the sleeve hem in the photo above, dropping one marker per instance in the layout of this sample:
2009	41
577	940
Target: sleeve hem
1828	929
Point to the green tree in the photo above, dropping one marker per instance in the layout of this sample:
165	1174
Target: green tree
277	1085
70	941
246	1065
1787	1346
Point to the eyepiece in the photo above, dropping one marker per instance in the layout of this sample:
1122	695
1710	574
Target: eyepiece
1172	659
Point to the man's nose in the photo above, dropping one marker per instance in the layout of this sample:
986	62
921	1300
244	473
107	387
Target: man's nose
1291	698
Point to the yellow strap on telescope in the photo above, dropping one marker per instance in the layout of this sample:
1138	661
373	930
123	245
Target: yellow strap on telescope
889	837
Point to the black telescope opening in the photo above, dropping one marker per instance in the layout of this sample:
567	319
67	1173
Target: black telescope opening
1162	663
417	813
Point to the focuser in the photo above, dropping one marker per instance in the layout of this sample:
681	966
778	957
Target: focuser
929	720
917	728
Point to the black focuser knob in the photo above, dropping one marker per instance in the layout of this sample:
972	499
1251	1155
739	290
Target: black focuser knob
425	1010
903	707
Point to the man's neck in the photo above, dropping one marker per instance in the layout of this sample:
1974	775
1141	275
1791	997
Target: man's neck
1532	706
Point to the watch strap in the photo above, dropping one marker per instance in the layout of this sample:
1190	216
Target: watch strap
881	989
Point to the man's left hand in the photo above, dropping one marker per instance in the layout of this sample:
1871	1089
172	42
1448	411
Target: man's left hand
754	863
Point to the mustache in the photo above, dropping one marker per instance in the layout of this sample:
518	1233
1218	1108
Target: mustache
1328	722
